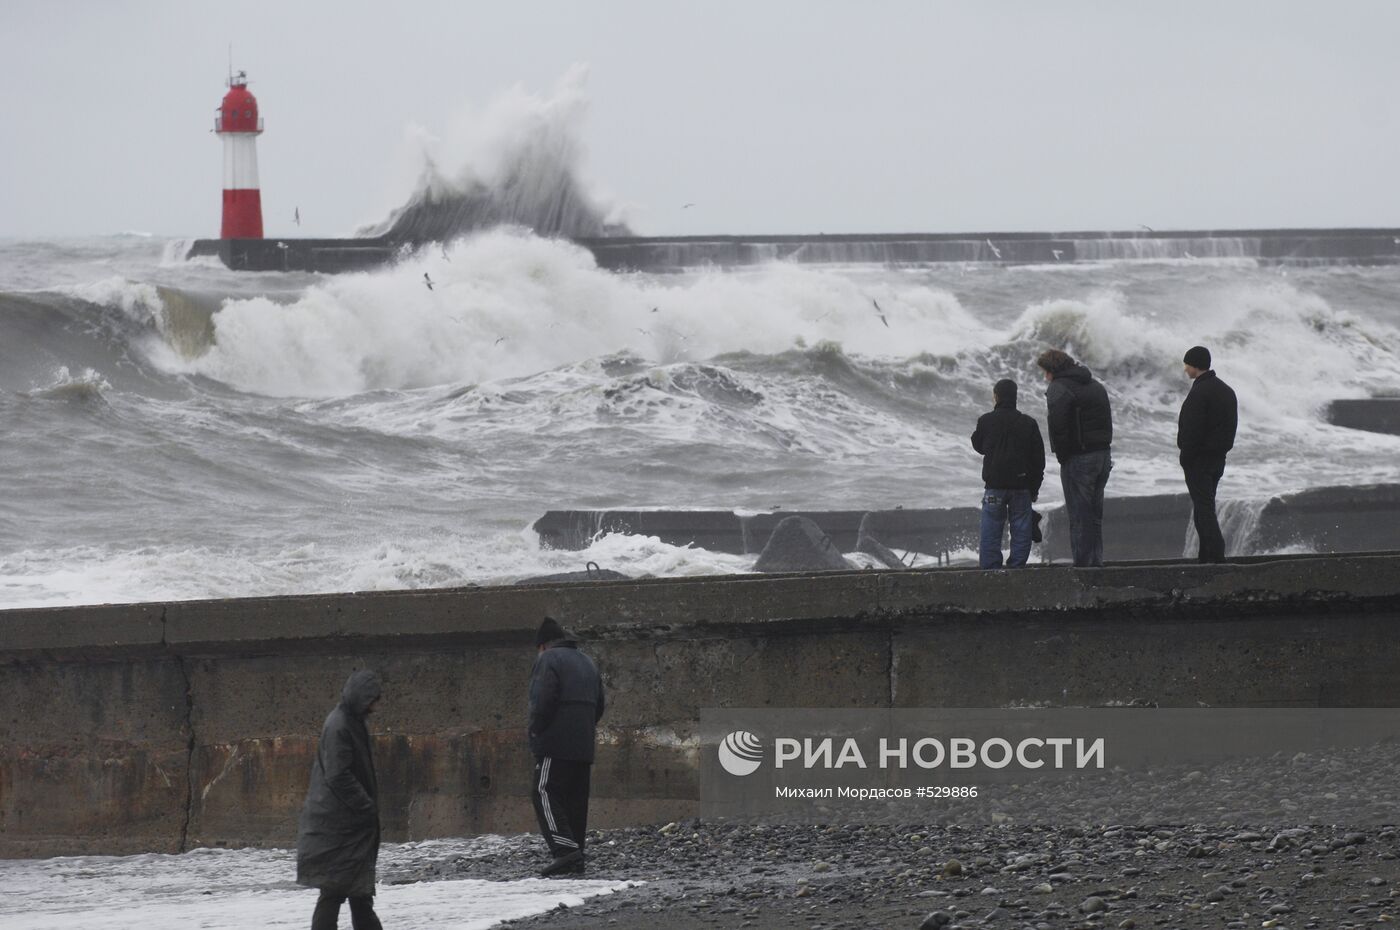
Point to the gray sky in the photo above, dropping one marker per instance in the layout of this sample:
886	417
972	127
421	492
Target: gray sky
768	115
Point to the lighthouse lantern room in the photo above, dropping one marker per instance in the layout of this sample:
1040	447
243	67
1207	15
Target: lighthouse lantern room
239	125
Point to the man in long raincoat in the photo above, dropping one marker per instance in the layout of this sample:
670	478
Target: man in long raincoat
338	835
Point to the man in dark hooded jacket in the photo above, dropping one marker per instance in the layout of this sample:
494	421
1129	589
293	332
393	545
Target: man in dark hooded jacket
1080	424
1013	467
566	703
338	836
1205	432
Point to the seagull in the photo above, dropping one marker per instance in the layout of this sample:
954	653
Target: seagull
1188	254
444	252
427	280
296	215
687	206
654	309
1146	227
880	312
1057	253
995	251
644	332
499	340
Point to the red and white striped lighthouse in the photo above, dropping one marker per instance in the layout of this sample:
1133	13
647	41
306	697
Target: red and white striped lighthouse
239	125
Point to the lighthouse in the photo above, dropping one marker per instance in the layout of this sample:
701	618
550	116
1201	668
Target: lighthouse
239	125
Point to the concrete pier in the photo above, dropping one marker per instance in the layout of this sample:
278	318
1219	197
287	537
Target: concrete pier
1364	518
671	253
1373	414
129	728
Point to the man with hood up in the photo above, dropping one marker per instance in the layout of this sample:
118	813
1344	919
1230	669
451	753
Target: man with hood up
1080	424
1013	467
338	836
566	703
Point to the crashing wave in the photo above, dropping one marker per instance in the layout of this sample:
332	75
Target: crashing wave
87	386
518	166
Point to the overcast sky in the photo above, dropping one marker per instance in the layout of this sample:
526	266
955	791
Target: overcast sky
767	115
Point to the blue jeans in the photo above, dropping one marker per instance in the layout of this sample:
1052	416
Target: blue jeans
997	507
1083	478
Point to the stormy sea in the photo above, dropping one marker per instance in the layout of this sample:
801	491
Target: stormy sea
176	430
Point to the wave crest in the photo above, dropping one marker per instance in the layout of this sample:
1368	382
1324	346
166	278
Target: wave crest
516	164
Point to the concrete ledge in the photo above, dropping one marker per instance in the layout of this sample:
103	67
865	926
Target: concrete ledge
201	733
1373	414
1340	519
666	253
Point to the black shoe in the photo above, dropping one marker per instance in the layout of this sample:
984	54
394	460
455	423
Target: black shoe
567	864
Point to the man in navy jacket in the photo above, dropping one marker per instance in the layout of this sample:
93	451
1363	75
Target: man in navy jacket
1205	433
1013	467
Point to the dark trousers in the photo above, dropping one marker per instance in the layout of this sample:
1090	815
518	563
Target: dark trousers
1083	478
327	913
1202	479
998	508
561	802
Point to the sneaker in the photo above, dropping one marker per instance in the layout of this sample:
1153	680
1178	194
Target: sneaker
567	864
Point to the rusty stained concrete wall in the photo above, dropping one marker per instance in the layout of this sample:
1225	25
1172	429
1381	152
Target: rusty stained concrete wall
165	727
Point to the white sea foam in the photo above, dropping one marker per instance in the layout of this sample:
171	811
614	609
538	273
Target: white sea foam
115	575
506	305
218	888
84	386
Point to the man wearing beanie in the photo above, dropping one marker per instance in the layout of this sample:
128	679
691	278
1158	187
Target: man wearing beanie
566	703
1080	423
1013	467
1205	433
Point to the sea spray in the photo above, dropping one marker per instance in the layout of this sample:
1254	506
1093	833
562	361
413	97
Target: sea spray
518	162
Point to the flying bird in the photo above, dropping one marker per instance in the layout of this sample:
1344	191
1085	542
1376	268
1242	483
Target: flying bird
296	215
1057	253
427	280
880	312
687	206
1146	227
995	251
499	340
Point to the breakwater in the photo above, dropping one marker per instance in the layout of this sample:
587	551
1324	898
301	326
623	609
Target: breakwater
169	726
672	253
1362	518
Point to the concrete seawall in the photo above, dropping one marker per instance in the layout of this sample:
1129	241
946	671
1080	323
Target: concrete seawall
169	726
670	253
1362	518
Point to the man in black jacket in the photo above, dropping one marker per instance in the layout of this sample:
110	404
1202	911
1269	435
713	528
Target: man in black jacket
566	703
1013	467
338	835
1080	424
1205	433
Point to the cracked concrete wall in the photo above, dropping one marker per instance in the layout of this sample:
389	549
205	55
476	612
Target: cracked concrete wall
163	727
